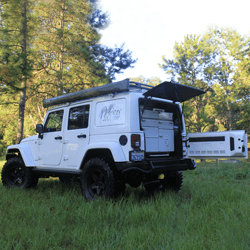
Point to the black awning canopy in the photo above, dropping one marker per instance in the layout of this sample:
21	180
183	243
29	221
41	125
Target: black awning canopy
174	91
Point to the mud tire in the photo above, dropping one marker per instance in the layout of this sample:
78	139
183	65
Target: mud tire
97	180
16	174
172	182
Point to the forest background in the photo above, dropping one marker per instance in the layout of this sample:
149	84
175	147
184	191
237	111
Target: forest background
50	48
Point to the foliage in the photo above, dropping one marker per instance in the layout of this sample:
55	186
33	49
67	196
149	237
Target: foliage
17	34
151	81
194	65
242	76
63	63
211	207
8	124
11	53
62	54
227	43
115	60
217	63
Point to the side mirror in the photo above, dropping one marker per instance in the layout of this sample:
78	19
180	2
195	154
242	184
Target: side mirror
39	130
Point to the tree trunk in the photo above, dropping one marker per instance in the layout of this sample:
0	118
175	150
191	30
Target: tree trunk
23	33
61	42
230	120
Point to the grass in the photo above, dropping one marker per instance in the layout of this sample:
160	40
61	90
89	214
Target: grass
212	211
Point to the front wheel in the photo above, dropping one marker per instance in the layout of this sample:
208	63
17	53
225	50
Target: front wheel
97	179
16	174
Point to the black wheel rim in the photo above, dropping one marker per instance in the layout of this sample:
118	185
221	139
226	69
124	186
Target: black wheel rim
17	175
96	183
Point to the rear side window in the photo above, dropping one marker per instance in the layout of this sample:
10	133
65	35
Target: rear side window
54	121
78	117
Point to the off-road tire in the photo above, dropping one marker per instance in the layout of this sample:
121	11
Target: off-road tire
16	174
118	179
97	179
172	182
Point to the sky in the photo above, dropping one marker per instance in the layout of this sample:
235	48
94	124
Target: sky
150	28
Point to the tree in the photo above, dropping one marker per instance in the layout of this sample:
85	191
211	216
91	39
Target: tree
62	47
69	50
15	39
242	77
115	60
194	65
227	43
151	81
49	48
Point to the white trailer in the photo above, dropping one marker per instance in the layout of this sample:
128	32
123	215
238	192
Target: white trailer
218	145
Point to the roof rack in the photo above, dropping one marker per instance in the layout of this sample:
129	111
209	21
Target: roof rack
111	88
140	85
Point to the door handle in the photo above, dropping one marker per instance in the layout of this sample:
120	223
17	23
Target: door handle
81	136
58	138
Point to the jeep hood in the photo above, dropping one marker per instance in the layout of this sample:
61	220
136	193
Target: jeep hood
31	138
174	91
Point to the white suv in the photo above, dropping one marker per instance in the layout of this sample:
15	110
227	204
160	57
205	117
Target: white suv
107	136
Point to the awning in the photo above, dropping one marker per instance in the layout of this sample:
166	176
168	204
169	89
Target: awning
174	91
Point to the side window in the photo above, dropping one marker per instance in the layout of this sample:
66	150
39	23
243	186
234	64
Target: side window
78	117
54	121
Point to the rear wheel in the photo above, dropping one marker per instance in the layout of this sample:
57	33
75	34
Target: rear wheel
16	174
172	182
97	179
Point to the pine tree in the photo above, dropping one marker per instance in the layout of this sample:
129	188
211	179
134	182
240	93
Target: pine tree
16	36
49	48
65	61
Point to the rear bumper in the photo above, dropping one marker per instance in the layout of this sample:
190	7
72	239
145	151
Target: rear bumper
157	166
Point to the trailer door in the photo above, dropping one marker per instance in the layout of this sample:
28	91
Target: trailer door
226	144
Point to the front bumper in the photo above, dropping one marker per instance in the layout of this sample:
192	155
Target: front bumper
157	166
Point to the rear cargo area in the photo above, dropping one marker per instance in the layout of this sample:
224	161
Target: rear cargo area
162	126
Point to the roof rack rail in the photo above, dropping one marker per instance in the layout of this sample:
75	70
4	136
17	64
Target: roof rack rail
115	87
140	85
111	88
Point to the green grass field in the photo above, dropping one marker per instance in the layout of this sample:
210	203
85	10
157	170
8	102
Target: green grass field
212	211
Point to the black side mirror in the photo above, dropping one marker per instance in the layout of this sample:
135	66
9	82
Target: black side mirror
39	130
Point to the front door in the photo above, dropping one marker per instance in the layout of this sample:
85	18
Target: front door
50	147
76	136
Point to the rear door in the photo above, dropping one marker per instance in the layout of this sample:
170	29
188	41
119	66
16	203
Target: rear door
76	135
226	144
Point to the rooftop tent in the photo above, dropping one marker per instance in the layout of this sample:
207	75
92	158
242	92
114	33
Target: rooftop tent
174	91
115	87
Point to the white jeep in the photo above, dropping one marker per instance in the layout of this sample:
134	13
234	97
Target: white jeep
107	136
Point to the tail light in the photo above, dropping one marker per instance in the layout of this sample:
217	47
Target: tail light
135	141
186	144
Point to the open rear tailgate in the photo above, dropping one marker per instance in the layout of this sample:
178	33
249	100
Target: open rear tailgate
226	144
174	91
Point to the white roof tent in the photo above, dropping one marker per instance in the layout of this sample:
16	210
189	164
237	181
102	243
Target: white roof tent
166	90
